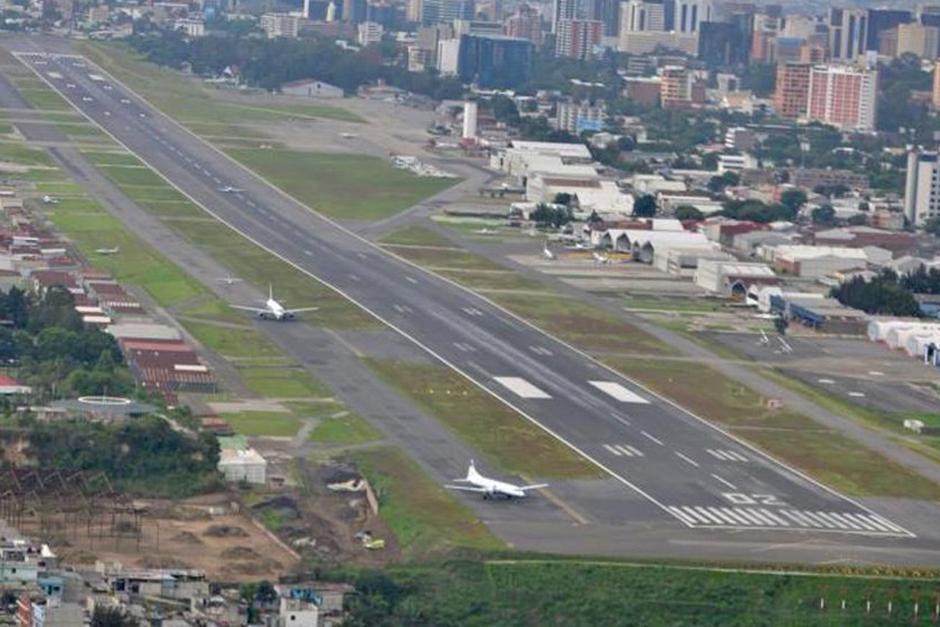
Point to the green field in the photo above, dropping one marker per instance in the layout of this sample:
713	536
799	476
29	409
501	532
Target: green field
508	439
245	259
186	100
263	423
345	429
794	438
589	593
282	381
16	152
44	98
425	519
348	187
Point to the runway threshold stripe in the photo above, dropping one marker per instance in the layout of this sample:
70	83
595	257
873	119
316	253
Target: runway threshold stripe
678	513
618	392
522	388
887	523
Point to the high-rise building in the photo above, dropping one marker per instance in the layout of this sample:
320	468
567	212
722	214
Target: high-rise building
792	90
677	88
929	14
726	43
639	16
608	13
369	33
525	23
279	25
354	11
843	96
689	14
848	33
922	187
494	62
565	10
577	39
444	11
576	117
413	10
919	40
936	86
881	20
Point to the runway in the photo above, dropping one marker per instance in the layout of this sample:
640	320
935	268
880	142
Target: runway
697	476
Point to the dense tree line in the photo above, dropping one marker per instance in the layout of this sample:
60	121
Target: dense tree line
46	345
882	295
922	281
758	211
269	63
145	456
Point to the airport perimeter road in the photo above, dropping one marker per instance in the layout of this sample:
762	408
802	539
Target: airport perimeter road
696	475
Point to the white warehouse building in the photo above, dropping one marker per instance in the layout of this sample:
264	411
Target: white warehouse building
243	465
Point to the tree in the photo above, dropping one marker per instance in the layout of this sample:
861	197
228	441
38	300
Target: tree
932	226
555	217
823	215
105	616
718	183
859	219
563	198
793	199
645	206
504	110
688	212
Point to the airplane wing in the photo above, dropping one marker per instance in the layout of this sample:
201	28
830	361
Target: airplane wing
300	310
465	488
251	309
534	486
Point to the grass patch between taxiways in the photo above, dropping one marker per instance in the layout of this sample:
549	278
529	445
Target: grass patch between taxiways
508	439
263	423
348	187
789	436
424	517
347	429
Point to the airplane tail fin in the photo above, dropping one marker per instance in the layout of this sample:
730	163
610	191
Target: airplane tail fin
270	291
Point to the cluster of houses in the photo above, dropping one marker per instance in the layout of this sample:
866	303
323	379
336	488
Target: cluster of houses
34	258
48	593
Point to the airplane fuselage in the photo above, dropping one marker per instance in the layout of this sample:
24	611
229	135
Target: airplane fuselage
275	311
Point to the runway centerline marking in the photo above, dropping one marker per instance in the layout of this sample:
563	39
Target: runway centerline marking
687	459
725	481
521	388
653	438
618	392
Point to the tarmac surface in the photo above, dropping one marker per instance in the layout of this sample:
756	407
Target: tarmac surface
677	482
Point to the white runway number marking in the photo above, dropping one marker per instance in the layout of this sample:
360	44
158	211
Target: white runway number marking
618	392
521	387
742	517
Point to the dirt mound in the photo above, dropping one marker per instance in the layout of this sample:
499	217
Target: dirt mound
160	561
225	531
241	553
186	537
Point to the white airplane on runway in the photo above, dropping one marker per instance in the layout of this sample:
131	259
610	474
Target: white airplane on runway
230	190
547	253
274	310
108	251
600	259
491	487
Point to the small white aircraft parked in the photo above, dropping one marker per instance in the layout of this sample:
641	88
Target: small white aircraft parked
50	200
229	280
764	340
600	259
491	487
547	253
274	310
108	251
348	135
230	190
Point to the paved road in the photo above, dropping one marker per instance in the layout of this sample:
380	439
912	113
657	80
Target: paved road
696	475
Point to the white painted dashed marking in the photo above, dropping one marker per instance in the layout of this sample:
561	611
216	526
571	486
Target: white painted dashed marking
687	459
651	437
522	388
618	392
353	277
857	394
726	455
876	373
826	381
541	350
629	451
467	348
725	481
472	311
411	280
